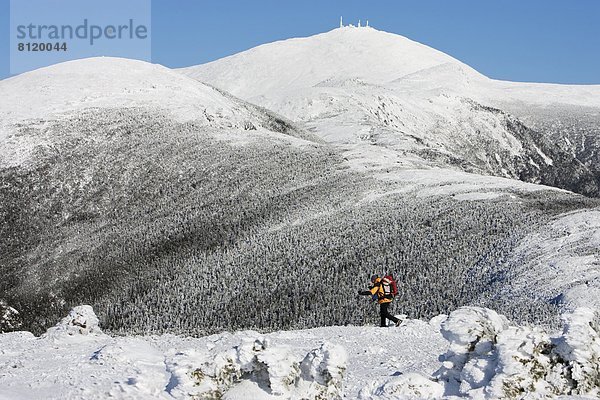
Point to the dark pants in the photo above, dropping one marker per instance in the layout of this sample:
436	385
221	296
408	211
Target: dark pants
385	314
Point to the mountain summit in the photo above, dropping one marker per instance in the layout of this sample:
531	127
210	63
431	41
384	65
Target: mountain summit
367	54
374	57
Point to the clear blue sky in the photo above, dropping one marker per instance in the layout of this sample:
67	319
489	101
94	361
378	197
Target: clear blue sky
520	40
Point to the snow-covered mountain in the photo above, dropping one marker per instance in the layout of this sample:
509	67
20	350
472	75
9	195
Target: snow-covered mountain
120	174
359	87
139	190
174	207
98	154
373	57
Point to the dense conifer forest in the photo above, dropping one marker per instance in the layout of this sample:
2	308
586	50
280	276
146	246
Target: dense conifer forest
176	227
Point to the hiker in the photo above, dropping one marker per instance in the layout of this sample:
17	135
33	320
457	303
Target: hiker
383	290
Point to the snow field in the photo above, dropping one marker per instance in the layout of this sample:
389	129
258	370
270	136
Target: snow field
74	362
483	357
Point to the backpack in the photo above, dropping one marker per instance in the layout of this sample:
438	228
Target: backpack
389	286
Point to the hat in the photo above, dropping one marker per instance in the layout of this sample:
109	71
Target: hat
374	277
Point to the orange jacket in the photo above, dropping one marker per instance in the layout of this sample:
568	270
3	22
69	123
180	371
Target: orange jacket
377	289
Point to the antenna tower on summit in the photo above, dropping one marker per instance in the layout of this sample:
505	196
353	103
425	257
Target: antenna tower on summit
360	24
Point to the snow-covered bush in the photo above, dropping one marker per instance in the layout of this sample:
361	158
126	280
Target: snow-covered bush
323	369
410	386
282	368
489	359
525	364
471	358
579	347
273	368
81	321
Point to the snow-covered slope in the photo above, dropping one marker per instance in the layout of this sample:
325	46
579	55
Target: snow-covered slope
143	192
562	260
90	146
358	87
76	360
542	94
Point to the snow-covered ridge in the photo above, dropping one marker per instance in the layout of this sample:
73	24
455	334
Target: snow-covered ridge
65	91
105	82
483	356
